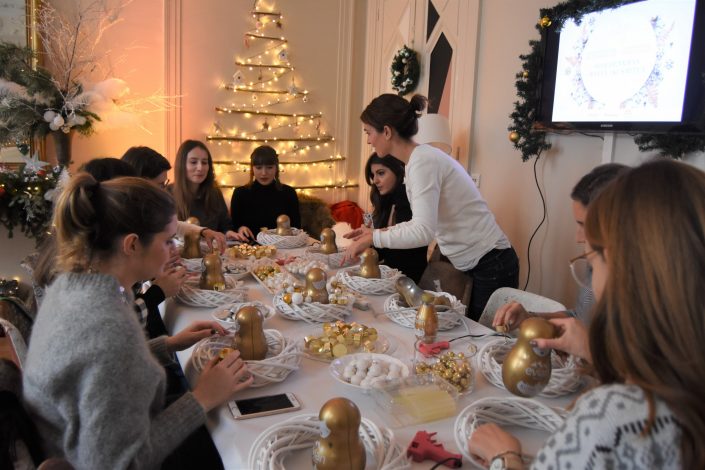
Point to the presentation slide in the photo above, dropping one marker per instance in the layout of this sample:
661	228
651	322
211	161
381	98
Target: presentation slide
626	64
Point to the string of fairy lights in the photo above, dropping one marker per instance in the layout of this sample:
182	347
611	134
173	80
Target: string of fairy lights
265	85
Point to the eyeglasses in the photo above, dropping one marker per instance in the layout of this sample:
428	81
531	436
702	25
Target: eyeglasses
581	270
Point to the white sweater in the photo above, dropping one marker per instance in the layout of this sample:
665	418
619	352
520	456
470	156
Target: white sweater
446	205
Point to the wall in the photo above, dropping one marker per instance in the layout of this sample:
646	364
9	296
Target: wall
506	182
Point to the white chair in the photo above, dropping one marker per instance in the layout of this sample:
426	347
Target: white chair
530	302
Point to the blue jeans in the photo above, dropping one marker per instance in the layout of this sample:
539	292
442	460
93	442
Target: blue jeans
498	268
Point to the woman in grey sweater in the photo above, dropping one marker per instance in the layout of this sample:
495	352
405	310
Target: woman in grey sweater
93	384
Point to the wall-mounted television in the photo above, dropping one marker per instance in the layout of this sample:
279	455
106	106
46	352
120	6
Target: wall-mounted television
639	67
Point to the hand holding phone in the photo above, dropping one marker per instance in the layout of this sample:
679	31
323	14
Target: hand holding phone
264	406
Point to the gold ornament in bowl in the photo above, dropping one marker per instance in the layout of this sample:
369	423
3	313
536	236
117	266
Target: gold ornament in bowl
284	225
212	277
315	289
369	264
192	246
328	246
426	325
340	446
250	339
527	369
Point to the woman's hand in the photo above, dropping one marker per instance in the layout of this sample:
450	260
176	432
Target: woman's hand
573	338
245	234
510	315
362	239
221	379
193	333
489	440
170	281
211	236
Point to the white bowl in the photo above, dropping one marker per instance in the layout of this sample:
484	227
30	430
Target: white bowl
338	367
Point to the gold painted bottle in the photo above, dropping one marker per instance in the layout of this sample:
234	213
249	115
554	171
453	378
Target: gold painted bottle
426	324
192	246
369	264
250	339
283	225
316	285
212	277
328	245
527	369
340	446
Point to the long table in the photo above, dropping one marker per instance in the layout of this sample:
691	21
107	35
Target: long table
314	385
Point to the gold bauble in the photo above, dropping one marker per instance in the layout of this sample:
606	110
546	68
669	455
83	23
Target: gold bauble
193	221
525	74
340	446
514	136
369	264
527	369
328	245
545	22
252	343
212	277
283	225
316	285
192	246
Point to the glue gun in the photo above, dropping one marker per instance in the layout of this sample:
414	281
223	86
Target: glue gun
424	447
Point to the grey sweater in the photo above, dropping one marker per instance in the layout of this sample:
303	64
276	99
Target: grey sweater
95	390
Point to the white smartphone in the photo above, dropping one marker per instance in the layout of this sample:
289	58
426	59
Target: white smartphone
263	406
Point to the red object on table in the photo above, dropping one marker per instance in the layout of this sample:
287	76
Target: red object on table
431	349
347	211
424	447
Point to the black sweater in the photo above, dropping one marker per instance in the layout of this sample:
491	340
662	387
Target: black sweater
256	206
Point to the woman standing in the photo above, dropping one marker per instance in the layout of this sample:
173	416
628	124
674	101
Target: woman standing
93	384
195	190
445	204
385	176
264	198
646	244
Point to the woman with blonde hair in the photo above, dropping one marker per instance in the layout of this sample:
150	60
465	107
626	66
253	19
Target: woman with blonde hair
94	385
646	244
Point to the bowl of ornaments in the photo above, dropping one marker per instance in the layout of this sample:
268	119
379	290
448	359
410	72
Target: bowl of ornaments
369	278
367	370
284	236
335	340
313	303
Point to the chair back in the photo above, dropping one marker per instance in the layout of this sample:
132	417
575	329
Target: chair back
531	302
442	276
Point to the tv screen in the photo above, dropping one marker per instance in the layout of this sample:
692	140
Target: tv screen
639	67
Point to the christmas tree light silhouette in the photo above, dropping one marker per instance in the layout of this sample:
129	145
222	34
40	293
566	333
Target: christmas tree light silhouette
268	107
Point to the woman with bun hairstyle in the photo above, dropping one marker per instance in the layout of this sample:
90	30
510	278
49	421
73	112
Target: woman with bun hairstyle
385	176
445	204
195	190
645	237
264	198
92	382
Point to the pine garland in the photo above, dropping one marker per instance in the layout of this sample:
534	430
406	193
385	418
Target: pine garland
531	141
405	71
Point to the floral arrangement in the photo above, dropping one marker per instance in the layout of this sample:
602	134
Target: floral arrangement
26	197
405	71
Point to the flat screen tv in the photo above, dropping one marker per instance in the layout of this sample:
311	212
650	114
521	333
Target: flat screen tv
639	68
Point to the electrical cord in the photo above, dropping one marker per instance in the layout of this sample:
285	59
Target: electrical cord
543	219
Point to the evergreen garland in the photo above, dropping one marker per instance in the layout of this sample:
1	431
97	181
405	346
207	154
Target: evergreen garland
530	140
405	71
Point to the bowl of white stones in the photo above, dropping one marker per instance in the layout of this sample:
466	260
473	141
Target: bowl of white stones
368	370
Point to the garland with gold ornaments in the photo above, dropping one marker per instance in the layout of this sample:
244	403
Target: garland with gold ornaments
405	71
531	141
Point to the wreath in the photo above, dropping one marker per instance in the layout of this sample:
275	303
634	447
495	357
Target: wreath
530	141
405	71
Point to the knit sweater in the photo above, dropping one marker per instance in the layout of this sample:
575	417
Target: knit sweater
255	206
445	204
604	432
95	390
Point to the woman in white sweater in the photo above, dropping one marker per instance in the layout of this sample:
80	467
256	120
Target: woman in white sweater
445	204
93	384
646	244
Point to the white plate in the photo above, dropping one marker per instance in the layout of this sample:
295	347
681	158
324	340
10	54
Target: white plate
226	316
383	346
337	367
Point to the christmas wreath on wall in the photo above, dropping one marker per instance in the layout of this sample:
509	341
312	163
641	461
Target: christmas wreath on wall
405	71
531	141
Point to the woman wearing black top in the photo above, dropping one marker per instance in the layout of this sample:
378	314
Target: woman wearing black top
259	203
391	206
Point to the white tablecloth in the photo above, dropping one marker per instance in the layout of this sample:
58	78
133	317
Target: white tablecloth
314	385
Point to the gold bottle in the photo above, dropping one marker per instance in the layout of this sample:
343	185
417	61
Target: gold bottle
283	225
212	277
192	245
316	285
340	446
328	245
369	264
250	339
193	220
426	324
527	369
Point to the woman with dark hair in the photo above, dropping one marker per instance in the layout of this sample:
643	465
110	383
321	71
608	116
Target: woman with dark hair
148	163
646	244
264	198
94	385
445	204
195	190
385	176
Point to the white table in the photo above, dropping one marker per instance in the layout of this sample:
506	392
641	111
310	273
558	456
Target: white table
314	385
